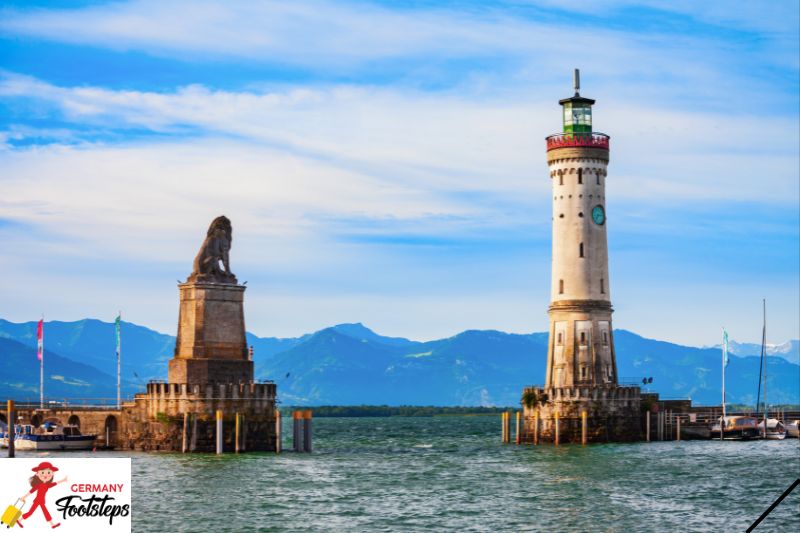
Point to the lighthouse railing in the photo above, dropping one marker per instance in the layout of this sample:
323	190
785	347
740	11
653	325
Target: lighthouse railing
569	140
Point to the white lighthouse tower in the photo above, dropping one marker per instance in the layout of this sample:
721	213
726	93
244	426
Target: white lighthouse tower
581	347
581	387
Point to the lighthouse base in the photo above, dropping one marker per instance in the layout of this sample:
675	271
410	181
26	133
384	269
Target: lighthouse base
612	414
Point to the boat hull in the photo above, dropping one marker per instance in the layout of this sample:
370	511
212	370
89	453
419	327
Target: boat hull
54	442
737	434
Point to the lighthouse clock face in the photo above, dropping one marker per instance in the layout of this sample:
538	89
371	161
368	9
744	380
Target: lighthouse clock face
599	215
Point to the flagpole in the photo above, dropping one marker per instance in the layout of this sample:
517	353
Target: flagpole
766	360
119	356
40	347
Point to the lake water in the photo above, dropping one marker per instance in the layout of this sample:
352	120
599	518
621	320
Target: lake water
452	474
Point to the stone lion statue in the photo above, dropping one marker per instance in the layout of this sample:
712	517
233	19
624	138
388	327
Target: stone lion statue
212	263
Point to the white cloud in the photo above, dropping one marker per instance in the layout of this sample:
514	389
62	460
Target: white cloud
404	143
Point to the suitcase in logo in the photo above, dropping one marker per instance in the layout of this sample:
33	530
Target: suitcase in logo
11	515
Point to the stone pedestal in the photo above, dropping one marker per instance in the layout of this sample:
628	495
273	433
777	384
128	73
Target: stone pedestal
211	345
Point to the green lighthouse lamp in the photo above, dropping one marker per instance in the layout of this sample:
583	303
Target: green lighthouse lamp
577	110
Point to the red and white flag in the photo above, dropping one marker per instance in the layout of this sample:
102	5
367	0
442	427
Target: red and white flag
40	340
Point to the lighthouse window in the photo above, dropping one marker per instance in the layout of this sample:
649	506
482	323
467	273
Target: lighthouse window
602	286
560	179
598	179
583	372
580	176
581	249
560	342
561	285
561	215
583	337
580	214
605	337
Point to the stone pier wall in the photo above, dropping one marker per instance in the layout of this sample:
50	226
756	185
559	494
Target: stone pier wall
154	420
613	414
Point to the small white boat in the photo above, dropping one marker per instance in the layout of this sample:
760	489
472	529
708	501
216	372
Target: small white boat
793	429
52	437
775	429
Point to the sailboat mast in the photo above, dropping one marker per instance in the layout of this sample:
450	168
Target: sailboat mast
724	360
766	359
761	369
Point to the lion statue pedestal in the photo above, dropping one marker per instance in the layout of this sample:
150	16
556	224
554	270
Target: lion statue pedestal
211	345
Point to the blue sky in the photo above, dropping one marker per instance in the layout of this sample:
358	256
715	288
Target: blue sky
384	162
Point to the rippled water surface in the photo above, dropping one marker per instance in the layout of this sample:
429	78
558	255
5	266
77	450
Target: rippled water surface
452	474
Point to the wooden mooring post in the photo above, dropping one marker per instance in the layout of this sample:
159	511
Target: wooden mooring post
11	428
536	428
518	433
184	437
296	431
193	440
219	431
244	433
648	426
678	436
307	431
584	424
278	431
556	441
236	435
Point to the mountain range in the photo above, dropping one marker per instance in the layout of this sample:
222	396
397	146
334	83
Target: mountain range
350	364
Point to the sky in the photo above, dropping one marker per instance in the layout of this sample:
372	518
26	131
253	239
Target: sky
384	162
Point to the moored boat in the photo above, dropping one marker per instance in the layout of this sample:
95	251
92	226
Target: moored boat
793	429
737	428
52	437
775	429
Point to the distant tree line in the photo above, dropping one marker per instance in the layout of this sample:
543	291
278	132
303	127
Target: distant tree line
385	410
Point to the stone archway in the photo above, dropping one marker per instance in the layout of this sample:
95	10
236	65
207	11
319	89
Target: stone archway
74	420
110	431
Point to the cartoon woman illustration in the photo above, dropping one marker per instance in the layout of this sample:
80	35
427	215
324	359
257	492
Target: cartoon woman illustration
41	482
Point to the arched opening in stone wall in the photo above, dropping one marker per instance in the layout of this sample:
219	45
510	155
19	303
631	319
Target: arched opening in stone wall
110	431
36	421
74	421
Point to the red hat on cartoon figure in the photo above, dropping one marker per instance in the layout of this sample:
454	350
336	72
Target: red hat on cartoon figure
44	466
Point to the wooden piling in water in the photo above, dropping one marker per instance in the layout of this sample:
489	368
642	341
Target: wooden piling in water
193	440
307	431
503	417
679	429
584	424
236	435
219	431
648	426
296	431
536	427
278	431
244	433
184	440
519	433
557	428
11	422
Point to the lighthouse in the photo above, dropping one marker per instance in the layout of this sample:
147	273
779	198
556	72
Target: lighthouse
581	399
581	346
